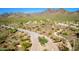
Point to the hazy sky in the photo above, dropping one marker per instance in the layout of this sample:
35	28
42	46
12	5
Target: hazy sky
30	10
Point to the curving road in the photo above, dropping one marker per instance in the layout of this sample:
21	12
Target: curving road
49	45
36	46
67	42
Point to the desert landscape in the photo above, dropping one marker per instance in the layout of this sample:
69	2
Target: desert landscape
49	30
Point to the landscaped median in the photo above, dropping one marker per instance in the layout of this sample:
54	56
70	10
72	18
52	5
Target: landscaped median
43	40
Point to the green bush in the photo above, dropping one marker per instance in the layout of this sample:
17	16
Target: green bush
43	40
13	30
26	45
65	33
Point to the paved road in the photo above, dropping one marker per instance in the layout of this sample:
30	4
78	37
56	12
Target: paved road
67	42
36	46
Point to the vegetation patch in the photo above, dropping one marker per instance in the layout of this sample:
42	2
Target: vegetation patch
57	40
13	30
63	48
43	40
25	45
65	33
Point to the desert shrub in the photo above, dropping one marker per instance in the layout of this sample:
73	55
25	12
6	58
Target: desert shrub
63	48
25	45
43	40
50	33
26	38
57	40
65	33
13	30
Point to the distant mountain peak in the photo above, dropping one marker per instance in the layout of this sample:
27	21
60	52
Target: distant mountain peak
50	10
